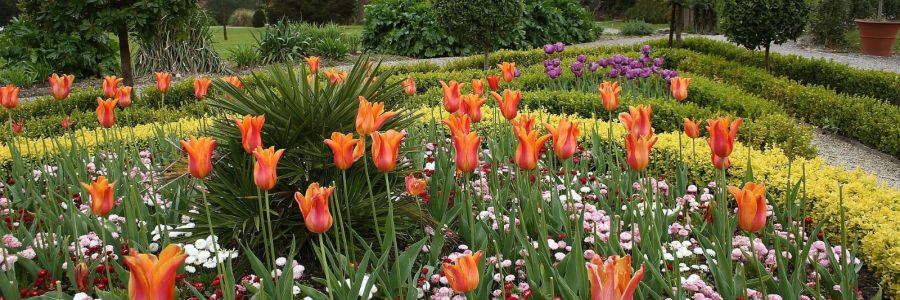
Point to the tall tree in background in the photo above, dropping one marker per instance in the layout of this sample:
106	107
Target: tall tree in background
676	22
484	27
759	24
221	10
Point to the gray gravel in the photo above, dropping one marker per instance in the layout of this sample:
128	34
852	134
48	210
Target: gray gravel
850	154
856	60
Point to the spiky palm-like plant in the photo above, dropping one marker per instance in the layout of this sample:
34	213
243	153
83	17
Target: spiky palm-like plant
299	116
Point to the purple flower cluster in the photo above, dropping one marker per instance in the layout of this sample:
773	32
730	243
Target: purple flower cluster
553	48
642	67
552	68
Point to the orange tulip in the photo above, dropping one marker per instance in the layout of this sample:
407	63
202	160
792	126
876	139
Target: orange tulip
335	77
458	124
153	278
609	95
463	274
525	121
565	138
199	152
493	82
123	95
251	131
508	70
371	116
720	163
234	80
680	88
82	276
751	202
163	81
314	207
60	86
386	149
9	96
346	149
467	147
478	87
415	186
66	122
266	166
106	112
691	128
508	103
201	87
721	135
17	127
110	85
638	149
313	62
102	200
612	279
409	86
529	149
451	95
471	106
637	120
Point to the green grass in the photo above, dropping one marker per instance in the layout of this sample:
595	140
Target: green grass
617	24
244	36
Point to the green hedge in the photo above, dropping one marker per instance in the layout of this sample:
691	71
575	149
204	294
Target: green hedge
841	77
871	121
763	131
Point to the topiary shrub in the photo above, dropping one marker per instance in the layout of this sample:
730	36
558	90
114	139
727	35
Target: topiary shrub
637	28
758	24
259	18
830	23
484	27
241	17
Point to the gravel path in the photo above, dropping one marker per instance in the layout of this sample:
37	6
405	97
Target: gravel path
850	154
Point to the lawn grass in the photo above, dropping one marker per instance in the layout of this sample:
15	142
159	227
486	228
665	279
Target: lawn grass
244	36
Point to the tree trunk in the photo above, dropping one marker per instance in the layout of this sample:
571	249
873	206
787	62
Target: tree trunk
768	68
224	31
679	24
487	54
361	10
672	24
125	55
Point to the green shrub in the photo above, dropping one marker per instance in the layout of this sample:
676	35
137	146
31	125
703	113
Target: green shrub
653	11
313	11
838	76
327	40
830	23
259	18
410	28
637	28
191	52
758	24
88	51
243	56
871	121
484	28
241	17
17	75
282	42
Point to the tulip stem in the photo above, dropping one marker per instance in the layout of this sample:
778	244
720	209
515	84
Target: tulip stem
262	228
324	260
215	240
471	212
349	217
372	200
271	239
387	185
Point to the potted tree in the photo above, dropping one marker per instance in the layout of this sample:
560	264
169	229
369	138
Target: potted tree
877	37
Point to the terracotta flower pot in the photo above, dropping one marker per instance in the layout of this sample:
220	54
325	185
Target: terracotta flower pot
878	37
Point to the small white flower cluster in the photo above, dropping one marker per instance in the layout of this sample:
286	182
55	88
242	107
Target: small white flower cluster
202	253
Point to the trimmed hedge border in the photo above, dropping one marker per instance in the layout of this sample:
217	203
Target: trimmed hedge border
869	120
843	78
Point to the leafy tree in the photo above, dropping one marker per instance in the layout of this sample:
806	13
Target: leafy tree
143	18
8	10
831	21
480	23
758	24
313	11
221	10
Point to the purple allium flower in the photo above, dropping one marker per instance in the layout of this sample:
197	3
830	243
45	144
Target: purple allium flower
554	73
556	62
593	67
644	59
613	73
549	48
603	62
636	64
658	61
645	49
577	69
547	63
560	47
517	72
581	58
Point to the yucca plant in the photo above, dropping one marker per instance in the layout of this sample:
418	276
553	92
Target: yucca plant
299	115
189	52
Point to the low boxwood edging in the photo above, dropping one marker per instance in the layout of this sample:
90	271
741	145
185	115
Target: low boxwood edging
871	210
843	78
869	120
763	131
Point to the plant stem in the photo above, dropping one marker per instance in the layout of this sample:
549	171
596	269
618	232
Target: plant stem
215	244
271	239
372	200
324	260
262	226
349	216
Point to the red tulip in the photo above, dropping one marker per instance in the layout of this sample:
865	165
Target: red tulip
314	208
386	149
637	120
313	62
451	96
201	87
478	87
638	149
18	127
251	131
493	82
335	77
721	135
234	80
66	122
463	274
371	116
508	70
163	81
9	96
123	95
525	121
265	168
509	103
529	149
199	152
609	95
346	149
565	138
471	106
751	202
679	88
60	86
102	200
82	276
467	147
409	86
720	163
415	186
691	128
153	278
459	124
106	112
110	85
612	279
